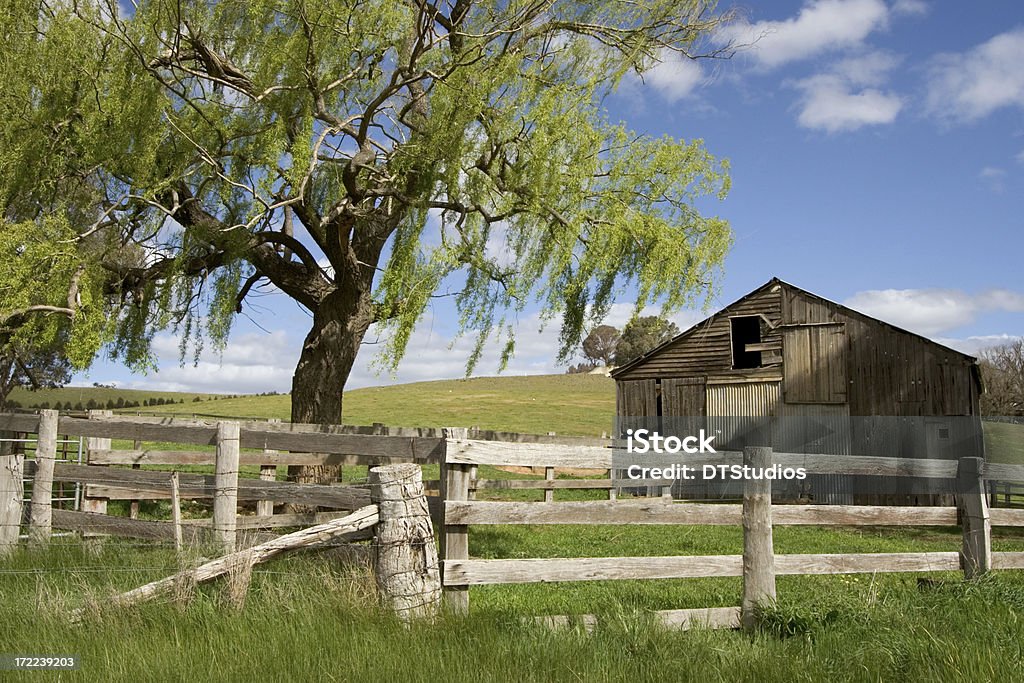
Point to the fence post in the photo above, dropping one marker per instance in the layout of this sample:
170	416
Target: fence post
473	476
265	508
976	554
176	512
406	567
454	538
758	551
225	494
549	475
12	491
93	541
40	521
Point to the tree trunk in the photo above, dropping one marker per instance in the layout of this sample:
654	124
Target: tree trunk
327	357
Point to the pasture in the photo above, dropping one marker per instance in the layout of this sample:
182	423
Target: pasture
313	616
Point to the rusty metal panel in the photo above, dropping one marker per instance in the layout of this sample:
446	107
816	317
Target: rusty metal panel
749	399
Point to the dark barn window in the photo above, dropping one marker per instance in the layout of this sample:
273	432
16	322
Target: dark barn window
745	330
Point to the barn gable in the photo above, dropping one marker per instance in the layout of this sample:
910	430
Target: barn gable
809	351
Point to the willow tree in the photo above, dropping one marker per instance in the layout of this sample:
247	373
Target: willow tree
357	155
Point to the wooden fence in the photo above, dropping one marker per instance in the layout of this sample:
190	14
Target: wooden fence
460	453
106	475
758	565
392	507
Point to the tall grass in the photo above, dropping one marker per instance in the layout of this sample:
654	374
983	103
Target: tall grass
309	618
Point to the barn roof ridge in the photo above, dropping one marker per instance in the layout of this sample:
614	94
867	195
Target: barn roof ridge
775	281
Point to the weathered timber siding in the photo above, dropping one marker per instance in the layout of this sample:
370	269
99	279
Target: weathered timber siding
683	397
706	349
888	371
636	398
815	363
830	355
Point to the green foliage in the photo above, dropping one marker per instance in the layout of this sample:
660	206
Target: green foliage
415	150
640	335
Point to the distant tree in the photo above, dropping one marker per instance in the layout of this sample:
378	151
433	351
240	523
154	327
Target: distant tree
91	404
119	403
79	407
197	399
1002	369
640	335
599	346
110	404
581	368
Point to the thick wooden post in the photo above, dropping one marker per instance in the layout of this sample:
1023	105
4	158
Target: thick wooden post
407	569
265	508
976	554
549	475
12	491
225	481
93	541
455	480
758	550
40	521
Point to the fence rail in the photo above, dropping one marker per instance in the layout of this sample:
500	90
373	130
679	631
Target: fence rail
758	566
107	476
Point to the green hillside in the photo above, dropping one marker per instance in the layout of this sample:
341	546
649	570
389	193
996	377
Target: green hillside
565	404
28	398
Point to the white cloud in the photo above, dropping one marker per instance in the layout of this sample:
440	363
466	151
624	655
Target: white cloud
821	26
910	7
970	85
437	356
994	177
831	101
251	363
973	346
675	77
933	311
829	106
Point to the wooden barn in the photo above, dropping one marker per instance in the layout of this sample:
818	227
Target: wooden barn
809	375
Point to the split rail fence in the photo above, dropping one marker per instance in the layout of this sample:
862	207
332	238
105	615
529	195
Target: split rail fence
105	474
758	565
392	508
460	453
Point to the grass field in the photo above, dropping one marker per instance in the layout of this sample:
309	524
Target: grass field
581	405
310	617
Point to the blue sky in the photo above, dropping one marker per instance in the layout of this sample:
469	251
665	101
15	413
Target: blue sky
877	153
